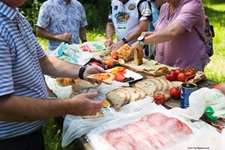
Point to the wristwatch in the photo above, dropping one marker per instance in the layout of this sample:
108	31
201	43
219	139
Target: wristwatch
141	40
124	40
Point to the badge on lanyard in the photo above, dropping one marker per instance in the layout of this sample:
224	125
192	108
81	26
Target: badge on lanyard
131	7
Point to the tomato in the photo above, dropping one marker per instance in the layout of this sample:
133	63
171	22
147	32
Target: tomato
119	70
159	99
177	71
182	77
216	86
115	57
119	77
190	71
175	92
171	76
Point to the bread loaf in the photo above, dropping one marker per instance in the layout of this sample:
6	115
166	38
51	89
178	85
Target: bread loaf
138	55
124	52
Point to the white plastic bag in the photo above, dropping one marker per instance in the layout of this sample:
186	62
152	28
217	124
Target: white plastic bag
73	54
200	100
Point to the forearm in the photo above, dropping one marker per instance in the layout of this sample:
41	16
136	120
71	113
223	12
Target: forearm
19	108
109	31
55	67
165	35
82	34
143	26
45	34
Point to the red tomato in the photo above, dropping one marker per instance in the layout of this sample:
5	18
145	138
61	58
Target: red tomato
182	77
177	71
159	99
216	86
119	77
190	71
175	93
115	57
171	76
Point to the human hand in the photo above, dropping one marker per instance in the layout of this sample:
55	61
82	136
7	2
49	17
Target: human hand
116	45
93	70
137	46
145	34
82	104
108	43
65	37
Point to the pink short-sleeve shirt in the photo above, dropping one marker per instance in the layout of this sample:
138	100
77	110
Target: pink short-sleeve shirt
187	49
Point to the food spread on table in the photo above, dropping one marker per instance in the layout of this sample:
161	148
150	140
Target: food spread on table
128	80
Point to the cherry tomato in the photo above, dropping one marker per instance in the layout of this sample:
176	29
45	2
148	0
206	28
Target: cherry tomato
171	76
119	77
177	71
182	77
175	92
115	57
190	71
159	99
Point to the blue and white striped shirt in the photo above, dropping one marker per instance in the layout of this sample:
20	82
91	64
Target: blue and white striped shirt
20	73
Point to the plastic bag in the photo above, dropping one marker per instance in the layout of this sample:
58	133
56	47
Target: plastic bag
73	54
202	99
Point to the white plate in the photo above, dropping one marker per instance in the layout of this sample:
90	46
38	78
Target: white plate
130	73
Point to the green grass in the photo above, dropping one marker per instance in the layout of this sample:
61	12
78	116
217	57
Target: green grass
215	70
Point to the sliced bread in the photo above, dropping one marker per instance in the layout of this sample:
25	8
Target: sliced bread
117	98
165	85
147	85
135	95
142	92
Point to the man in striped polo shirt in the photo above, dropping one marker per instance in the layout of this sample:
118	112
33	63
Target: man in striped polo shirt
24	100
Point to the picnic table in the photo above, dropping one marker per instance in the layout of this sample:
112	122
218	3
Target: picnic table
171	103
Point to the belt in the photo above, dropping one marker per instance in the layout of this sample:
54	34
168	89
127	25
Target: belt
22	136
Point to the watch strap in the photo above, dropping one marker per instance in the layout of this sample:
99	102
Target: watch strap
81	72
124	40
142	43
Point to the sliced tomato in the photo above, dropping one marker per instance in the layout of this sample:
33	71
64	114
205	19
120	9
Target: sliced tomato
119	77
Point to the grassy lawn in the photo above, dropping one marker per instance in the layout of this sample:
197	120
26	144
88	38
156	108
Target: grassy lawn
215	70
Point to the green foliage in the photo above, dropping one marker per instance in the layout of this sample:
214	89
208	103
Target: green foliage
30	10
96	12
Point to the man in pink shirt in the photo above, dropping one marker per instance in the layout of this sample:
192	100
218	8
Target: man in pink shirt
177	35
